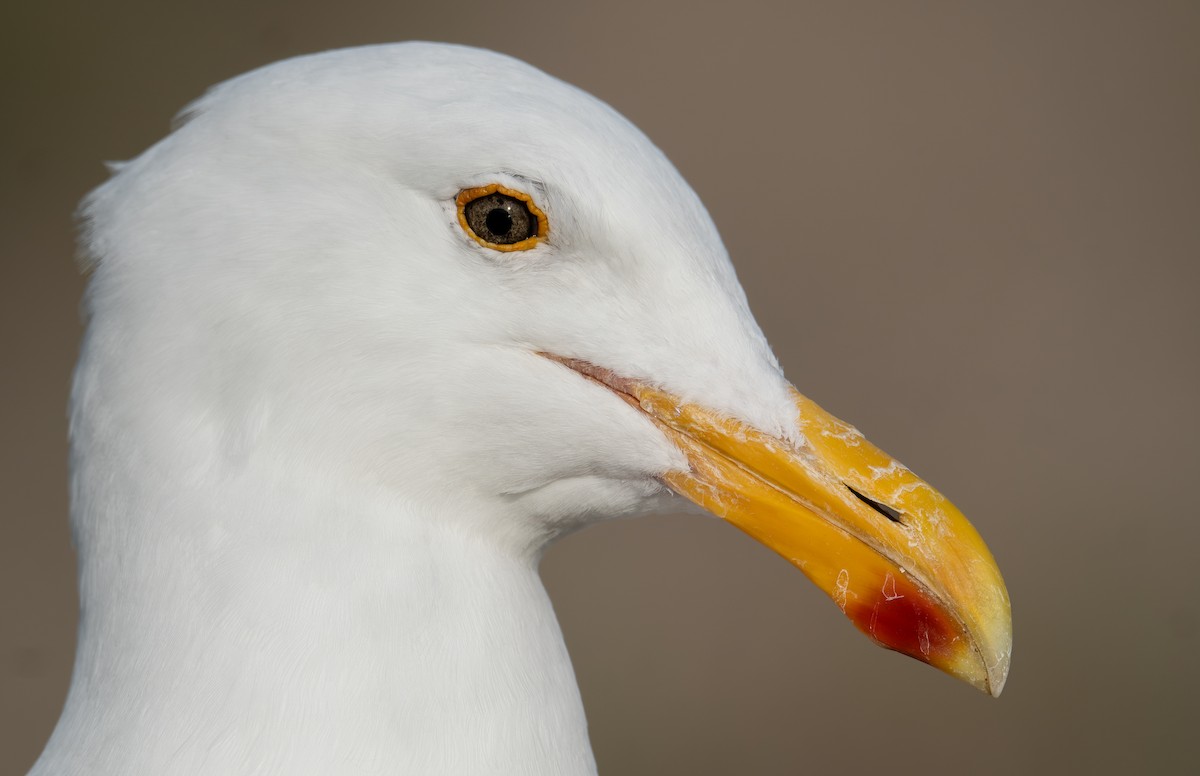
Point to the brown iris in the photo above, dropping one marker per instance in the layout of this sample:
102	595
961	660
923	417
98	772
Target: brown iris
501	218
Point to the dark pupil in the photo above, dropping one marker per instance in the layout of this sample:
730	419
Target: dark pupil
500	219
499	222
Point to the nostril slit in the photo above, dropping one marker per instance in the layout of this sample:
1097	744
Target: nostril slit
883	509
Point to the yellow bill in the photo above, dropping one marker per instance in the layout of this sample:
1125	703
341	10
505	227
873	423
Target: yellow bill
895	556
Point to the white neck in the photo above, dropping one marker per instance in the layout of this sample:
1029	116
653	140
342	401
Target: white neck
248	624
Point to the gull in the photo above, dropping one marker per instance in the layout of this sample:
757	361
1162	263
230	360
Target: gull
366	333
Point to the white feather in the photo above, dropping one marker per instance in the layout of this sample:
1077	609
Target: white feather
315	457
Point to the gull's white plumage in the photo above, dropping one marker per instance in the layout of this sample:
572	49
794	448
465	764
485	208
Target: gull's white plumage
315	456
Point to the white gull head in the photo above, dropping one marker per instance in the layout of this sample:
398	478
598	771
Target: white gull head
285	276
325	421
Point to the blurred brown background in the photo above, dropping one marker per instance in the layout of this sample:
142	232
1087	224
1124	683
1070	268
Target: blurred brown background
1011	195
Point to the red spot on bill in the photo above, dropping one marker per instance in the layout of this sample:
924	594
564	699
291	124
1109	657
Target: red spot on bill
900	615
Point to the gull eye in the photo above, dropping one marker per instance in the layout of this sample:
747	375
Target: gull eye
501	218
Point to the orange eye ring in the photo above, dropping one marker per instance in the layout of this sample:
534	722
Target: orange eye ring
538	232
